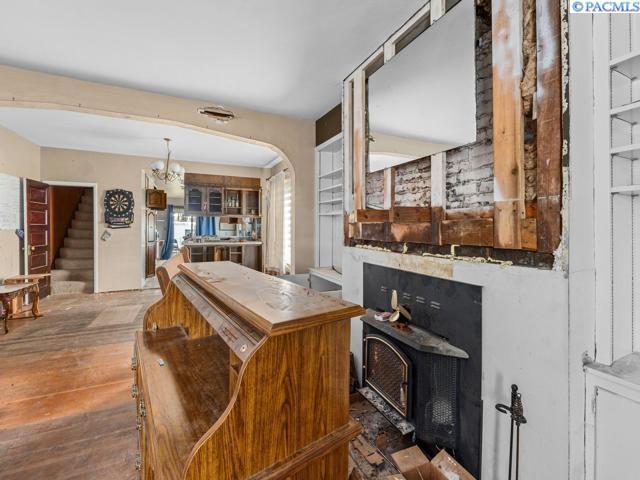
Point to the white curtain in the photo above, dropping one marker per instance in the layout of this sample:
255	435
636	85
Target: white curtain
275	228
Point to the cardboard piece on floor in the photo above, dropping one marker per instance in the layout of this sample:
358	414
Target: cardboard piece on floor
446	464
414	465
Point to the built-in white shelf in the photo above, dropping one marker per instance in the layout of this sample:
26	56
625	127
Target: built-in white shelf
331	188
629	113
333	200
630	152
337	173
626	190
627	65
328	274
329	180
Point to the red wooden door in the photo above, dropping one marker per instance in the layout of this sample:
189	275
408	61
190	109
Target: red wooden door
37	238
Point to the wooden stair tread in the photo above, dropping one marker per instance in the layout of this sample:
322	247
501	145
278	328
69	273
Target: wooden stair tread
186	395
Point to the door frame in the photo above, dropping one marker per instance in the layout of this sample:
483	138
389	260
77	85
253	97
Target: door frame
94	186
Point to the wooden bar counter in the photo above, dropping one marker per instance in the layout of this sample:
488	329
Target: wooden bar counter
240	375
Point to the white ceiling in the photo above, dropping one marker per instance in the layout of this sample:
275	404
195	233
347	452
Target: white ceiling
84	131
280	56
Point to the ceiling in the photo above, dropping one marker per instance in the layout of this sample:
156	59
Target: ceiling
280	56
97	133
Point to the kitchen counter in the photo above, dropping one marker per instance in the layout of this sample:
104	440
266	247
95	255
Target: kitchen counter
222	243
247	253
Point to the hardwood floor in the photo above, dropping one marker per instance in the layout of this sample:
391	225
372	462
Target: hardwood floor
65	405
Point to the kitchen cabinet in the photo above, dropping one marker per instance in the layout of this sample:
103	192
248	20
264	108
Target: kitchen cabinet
251	203
217	195
195	198
215	199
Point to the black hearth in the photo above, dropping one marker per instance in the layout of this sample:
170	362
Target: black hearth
429	371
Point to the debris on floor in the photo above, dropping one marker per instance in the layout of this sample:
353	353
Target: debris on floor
383	452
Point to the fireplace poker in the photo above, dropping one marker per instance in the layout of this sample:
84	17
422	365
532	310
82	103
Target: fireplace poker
516	410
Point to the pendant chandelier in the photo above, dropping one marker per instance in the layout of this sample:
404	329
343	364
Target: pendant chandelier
168	171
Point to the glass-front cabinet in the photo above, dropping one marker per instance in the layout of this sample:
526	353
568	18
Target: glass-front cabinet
215	197
233	202
195	199
251	203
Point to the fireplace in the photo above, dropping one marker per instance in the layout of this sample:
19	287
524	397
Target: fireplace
429	371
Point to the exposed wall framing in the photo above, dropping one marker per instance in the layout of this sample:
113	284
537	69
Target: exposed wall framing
517	204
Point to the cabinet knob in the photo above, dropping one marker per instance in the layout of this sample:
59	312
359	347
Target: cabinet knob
134	390
143	410
138	423
138	462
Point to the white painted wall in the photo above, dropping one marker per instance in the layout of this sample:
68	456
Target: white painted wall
582	269
524	341
21	158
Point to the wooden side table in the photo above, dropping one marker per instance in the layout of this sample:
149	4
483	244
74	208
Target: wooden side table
17	305
10	292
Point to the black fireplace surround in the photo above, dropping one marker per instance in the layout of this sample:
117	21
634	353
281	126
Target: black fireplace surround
443	395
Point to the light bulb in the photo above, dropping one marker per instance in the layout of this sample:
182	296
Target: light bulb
174	168
157	165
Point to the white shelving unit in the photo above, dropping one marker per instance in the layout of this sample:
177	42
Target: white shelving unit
329	175
617	202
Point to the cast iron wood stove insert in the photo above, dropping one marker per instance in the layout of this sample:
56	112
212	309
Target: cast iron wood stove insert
430	370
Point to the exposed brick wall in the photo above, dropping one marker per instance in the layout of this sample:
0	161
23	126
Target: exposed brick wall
470	168
374	189
413	184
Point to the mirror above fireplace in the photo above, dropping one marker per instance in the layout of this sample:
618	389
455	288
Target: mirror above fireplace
423	100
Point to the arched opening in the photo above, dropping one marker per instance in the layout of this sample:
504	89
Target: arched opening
173	125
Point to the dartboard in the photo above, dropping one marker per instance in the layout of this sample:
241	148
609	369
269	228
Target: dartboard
118	208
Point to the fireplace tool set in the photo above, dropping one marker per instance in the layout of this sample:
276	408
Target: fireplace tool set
517	418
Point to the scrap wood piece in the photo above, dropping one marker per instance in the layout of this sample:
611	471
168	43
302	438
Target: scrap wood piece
354	471
370	454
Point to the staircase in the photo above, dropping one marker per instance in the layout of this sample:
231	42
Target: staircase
73	269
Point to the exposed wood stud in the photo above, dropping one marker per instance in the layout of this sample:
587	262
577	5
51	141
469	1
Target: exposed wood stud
359	140
508	122
389	188
438	163
417	232
472	231
369	215
411	214
549	110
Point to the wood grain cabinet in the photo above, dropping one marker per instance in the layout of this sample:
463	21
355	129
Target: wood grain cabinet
218	195
240	375
195	200
215	200
156	199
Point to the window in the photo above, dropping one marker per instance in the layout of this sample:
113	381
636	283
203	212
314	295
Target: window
287	223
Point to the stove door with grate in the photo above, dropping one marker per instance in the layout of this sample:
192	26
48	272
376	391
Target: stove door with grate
387	370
